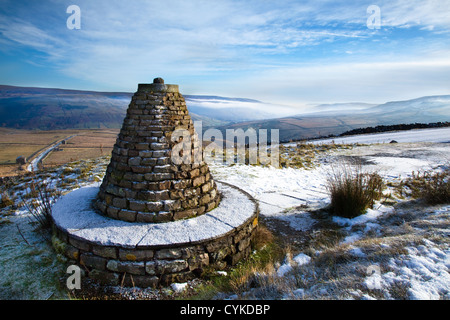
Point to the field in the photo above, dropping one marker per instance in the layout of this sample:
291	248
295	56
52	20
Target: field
85	144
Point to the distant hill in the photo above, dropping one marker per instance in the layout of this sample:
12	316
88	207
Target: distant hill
45	109
334	121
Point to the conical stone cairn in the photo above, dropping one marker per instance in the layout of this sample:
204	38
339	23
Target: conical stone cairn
157	174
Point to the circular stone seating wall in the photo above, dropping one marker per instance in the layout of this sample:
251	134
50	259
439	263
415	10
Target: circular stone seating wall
116	252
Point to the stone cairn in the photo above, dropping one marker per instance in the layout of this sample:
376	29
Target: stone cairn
142	184
154	221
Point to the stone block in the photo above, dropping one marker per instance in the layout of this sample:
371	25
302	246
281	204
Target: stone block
112	212
127	215
149	161
105	277
164	216
194	173
146	217
135	254
204	200
139	185
158	176
150	267
172	253
206	187
105	252
160	153
198	261
79	244
163	169
163	161
170	205
146	154
71	252
140	281
198	181
120	203
173	266
158	146
131	267
138	205
184	214
91	261
177	277
164	185
180	184
141	146
136	161
243	244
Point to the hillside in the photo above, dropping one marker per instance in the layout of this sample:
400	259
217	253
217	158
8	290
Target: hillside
49	109
53	109
331	120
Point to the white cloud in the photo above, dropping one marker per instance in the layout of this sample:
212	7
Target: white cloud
429	14
256	49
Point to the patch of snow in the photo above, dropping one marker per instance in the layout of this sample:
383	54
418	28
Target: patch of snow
299	292
283	269
357	252
425	269
352	238
416	135
302	259
179	287
300	221
370	215
287	266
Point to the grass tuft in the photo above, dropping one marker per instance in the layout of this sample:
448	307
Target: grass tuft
431	186
352	190
40	205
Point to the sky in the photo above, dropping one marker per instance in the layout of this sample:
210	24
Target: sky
288	52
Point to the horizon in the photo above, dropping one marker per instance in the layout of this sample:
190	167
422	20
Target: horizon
289	53
192	96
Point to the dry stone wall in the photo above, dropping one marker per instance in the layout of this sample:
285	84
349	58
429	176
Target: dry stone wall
152	266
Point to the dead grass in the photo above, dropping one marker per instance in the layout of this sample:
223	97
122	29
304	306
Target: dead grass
352	190
87	145
431	186
304	155
15	143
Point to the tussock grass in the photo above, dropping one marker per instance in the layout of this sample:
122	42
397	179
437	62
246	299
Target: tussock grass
352	190
40	205
431	186
5	200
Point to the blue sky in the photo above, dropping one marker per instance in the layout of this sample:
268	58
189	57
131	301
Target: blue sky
291	52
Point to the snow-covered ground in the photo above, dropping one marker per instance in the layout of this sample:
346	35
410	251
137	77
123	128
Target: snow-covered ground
289	195
396	250
417	135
